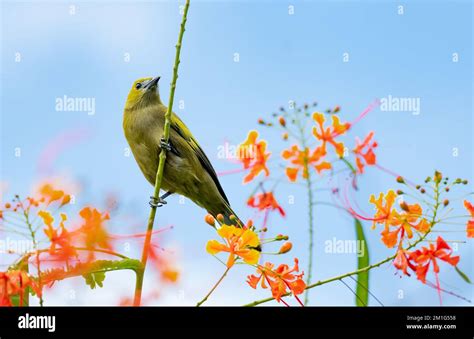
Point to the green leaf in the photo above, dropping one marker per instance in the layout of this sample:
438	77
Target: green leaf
94	279
463	275
362	289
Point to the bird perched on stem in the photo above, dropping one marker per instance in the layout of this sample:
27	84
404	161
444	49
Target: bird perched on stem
187	170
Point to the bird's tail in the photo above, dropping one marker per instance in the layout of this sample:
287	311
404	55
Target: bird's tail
229	217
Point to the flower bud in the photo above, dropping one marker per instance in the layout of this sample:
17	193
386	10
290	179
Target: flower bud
404	206
400	180
209	219
286	247
437	177
285	136
337	109
220	218
399	192
280	237
446	202
282	121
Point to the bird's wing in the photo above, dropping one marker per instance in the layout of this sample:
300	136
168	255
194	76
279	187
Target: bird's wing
179	127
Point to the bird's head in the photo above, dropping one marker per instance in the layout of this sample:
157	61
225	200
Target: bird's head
143	93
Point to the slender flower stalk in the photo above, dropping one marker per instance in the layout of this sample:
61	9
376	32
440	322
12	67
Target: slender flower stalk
161	164
213	287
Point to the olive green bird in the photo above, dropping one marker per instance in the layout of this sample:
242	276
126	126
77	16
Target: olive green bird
187	170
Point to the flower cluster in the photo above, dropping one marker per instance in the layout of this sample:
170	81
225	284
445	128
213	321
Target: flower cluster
61	251
400	224
281	280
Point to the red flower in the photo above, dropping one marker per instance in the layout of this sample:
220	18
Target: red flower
365	150
403	261
429	255
61	243
470	223
265	201
14	283
280	280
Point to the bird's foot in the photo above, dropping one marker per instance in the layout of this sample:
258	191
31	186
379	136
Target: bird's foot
157	202
165	145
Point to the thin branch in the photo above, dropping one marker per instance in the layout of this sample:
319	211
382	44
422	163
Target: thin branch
161	164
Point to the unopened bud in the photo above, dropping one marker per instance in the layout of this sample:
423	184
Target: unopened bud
404	206
399	192
400	180
220	218
209	219
437	177
337	109
285	136
280	237
286	247
446	202
282	121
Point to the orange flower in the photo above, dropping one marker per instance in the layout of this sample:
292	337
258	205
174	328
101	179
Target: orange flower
253	156
327	135
50	194
365	150
61	243
470	223
14	283
239	242
429	255
280	280
383	212
403	261
265	201
405	222
303	159
164	264
93	230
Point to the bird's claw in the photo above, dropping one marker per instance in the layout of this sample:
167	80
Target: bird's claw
157	202
165	145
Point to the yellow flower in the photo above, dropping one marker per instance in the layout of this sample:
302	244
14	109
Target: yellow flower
238	242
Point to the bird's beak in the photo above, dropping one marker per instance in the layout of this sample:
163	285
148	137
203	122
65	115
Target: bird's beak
152	83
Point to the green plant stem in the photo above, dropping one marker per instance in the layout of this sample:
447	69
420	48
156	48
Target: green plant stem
213	288
35	246
311	235
161	163
367	268
310	210
24	258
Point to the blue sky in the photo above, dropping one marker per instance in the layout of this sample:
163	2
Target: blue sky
282	57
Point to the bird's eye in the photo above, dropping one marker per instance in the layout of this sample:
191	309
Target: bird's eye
138	85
